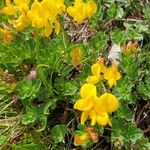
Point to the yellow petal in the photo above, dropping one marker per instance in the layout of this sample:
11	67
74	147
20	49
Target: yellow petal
21	22
84	116
57	27
100	62
88	10
88	90
102	119
80	14
70	11
23	8
109	122
77	2
93	6
107	103
111	82
37	15
112	74
77	11
83	104
48	30
20	2
93	117
95	69
10	10
118	76
8	3
93	79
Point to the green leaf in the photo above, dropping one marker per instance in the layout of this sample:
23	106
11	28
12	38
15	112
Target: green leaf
99	41
125	132
58	133
100	129
70	88
43	122
123	90
2	139
144	144
30	147
41	119
81	127
130	65
112	10
124	112
120	13
28	89
118	36
30	117
147	11
51	104
143	88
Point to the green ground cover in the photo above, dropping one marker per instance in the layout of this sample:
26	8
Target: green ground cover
74	74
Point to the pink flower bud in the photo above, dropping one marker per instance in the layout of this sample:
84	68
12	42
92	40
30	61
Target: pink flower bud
32	74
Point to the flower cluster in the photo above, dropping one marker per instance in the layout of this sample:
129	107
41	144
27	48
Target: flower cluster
99	72
41	14
82	10
92	106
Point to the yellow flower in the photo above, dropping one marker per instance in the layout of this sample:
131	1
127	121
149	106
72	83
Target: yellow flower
107	102
81	139
37	15
103	105
57	26
22	5
6	34
81	10
56	7
9	9
112	75
101	118
97	70
88	96
19	5
43	15
91	8
21	2
21	22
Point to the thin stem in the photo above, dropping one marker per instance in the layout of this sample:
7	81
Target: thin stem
6	106
104	88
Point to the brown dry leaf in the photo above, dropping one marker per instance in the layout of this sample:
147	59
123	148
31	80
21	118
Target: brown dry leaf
130	48
93	135
113	55
9	122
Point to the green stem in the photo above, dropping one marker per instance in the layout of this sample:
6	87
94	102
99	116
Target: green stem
104	88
